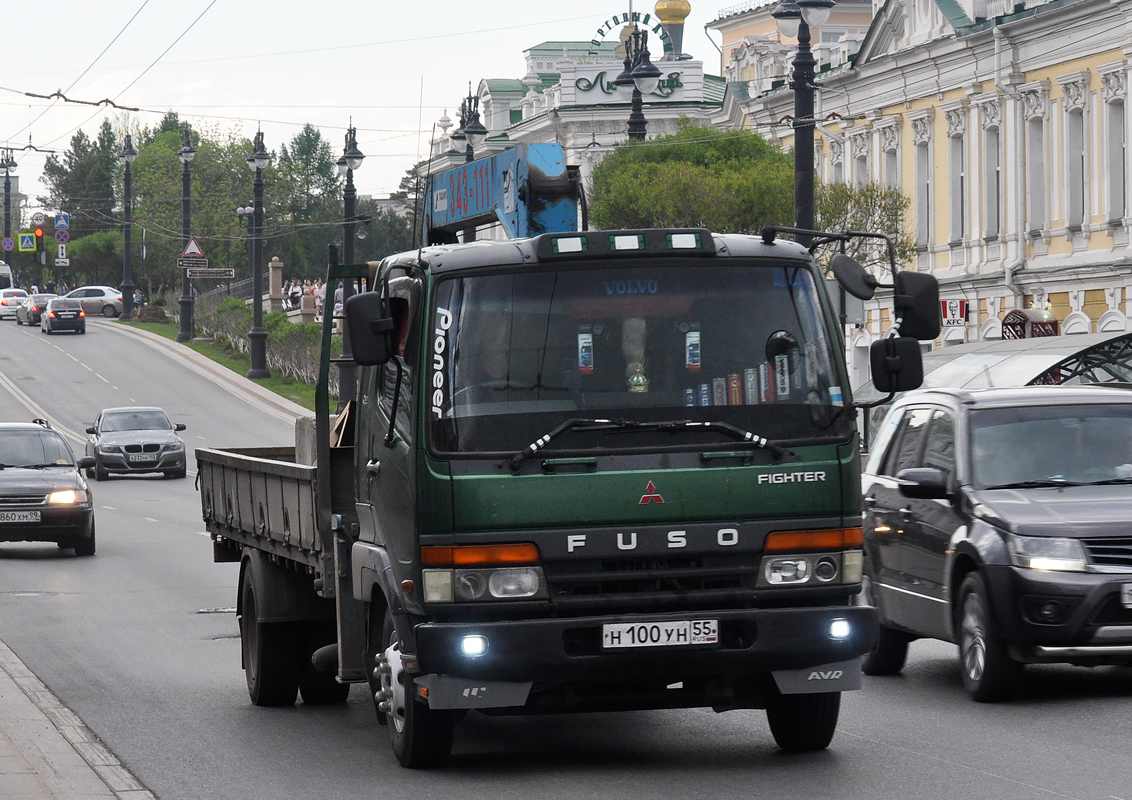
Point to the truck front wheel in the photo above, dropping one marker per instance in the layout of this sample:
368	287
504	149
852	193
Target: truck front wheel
421	737
803	722
270	650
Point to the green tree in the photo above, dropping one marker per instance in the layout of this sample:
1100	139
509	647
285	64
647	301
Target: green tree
307	197
82	181
726	181
868	207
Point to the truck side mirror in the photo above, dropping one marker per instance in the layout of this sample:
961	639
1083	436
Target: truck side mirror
897	364
916	300
853	277
371	329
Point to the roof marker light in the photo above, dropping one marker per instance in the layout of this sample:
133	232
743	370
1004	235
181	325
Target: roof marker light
630	242
683	241
570	244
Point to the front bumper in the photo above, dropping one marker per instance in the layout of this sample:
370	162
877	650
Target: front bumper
758	640
57	524
119	463
1062	616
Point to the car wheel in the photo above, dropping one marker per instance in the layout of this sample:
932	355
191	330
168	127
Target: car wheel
803	722
100	473
270	660
891	650
82	329
109	311
85	546
18	320
989	674
421	737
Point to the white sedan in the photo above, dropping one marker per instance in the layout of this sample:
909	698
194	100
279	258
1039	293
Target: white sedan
9	299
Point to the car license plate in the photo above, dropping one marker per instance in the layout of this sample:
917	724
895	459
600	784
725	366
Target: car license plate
66	315
142	458
674	633
19	516
1126	595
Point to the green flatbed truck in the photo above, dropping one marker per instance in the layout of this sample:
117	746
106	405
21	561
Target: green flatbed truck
589	471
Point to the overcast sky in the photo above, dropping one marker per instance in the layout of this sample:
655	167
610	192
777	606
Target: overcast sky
393	66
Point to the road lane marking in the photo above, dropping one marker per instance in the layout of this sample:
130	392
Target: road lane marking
73	358
88	369
150	519
103	379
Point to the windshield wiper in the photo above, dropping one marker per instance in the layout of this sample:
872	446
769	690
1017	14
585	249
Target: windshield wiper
1109	482
1036	484
671	426
41	466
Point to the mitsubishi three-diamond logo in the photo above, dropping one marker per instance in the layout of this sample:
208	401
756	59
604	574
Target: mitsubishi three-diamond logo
651	495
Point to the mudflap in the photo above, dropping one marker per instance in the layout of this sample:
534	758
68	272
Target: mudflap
840	676
446	692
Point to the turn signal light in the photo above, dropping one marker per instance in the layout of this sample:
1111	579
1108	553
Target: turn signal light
833	539
462	555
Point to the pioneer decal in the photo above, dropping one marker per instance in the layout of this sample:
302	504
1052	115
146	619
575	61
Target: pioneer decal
439	346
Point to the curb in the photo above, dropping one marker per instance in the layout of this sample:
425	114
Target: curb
37	754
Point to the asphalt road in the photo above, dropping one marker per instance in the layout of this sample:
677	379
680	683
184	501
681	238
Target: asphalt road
140	641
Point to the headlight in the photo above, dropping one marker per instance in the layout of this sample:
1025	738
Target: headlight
1047	553
471	585
176	447
67	496
109	448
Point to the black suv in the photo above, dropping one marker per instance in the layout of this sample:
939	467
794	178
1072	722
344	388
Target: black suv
1002	520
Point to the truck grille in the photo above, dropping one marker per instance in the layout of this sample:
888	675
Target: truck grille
1110	551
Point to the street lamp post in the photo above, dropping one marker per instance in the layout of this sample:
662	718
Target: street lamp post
244	215
257	336
186	155
640	77
472	133
795	20
9	165
127	157
350	161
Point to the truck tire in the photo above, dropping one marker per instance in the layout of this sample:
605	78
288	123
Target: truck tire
420	736
803	722
270	650
989	674
320	688
375	646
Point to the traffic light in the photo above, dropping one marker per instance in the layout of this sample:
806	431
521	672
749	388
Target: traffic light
42	257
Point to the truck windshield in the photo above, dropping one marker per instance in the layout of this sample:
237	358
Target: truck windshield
513	355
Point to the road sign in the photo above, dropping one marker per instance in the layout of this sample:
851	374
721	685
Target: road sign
62	262
193	249
62	235
192	263
8	243
62	251
38	218
27	242
62	220
215	272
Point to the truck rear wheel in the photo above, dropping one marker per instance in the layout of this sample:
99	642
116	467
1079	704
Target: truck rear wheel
803	722
271	652
421	737
320	688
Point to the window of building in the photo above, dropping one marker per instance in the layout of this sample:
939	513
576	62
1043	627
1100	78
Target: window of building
993	183
1036	174
1115	160
957	187
1075	169
923	194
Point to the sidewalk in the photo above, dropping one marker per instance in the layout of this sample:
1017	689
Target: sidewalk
46	752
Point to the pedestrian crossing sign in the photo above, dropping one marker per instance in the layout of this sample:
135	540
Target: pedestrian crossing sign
27	242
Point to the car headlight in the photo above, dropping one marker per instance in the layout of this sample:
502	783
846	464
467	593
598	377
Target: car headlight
109	448
471	585
67	497
176	447
1047	553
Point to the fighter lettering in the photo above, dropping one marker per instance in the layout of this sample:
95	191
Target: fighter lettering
792	477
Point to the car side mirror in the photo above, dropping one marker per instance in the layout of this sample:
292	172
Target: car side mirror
371	329
92	429
922	483
87	462
180	426
897	364
915	298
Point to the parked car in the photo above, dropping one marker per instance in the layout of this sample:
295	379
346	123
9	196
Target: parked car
43	495
127	441
61	314
104	300
9	299
999	520
30	308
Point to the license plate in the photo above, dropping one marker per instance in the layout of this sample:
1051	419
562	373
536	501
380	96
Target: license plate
1126	595
142	458
19	516
674	633
66	315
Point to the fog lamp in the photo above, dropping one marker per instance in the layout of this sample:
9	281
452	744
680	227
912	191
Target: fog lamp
839	629
473	646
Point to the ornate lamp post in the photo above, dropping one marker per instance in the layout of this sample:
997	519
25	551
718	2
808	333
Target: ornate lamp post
127	157
9	165
795	20
350	161
257	336
244	217
471	130
186	302
640	77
